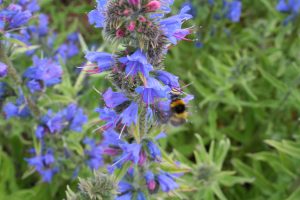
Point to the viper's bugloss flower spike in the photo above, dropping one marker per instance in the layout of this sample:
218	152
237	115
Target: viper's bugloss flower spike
3	69
143	89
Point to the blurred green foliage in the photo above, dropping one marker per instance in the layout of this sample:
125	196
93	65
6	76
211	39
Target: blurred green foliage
246	81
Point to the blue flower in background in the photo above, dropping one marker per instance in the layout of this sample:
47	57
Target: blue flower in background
97	16
136	63
75	117
44	165
289	6
19	109
45	70
232	10
68	49
94	153
31	5
3	69
193	11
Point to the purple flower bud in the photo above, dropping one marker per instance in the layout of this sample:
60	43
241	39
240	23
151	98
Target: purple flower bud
10	110
154	151
3	69
34	86
151	184
140	196
166	182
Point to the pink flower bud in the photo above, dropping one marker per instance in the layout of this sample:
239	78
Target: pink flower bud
151	185
120	33
153	6
142	159
142	19
127	12
131	26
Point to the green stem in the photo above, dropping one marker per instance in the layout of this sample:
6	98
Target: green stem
13	74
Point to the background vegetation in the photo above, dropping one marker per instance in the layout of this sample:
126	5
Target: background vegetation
244	119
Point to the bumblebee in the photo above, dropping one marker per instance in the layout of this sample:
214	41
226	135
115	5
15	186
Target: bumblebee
178	113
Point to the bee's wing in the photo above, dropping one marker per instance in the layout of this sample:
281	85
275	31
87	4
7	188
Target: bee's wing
176	121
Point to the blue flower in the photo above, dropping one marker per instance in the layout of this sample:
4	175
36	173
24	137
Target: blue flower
141	196
19	18
289	6
167	78
292	6
130	114
232	10
56	123
166	182
19	109
10	110
172	25
125	189
130	152
97	16
76	117
193	10
105	61
45	70
152	91
154	151
94	153
3	69
136	63
111	138
31	5
44	165
109	116
34	86
113	99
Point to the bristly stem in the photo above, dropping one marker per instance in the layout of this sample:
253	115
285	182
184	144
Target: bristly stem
13	74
